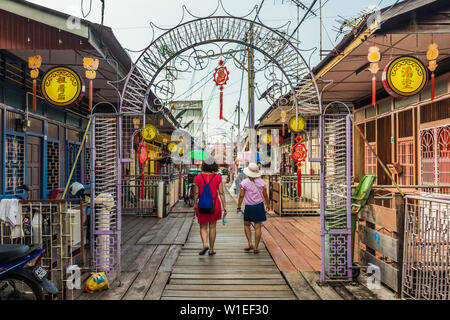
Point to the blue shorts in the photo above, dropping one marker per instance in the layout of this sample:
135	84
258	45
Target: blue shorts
255	213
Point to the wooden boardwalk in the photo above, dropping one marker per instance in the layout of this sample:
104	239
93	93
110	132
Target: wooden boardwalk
294	244
160	261
230	274
150	247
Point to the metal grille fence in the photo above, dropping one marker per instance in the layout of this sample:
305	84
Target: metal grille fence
286	201
426	257
139	199
106	207
336	198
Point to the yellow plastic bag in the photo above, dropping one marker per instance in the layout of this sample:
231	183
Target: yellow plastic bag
96	282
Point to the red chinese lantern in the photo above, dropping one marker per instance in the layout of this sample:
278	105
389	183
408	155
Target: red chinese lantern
299	154
34	63
143	158
432	55
91	66
220	77
374	57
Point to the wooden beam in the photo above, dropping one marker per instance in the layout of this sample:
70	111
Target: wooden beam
378	241
388	274
382	216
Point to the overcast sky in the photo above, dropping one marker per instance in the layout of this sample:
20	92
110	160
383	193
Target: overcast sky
130	20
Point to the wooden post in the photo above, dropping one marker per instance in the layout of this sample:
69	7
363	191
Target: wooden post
370	224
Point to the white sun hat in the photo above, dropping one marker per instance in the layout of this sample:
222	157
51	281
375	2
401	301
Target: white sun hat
252	171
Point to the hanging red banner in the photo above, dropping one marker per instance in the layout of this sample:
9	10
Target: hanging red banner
143	158
299	154
34	63
432	55
220	77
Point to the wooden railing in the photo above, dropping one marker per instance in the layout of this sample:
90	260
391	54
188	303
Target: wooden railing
284	199
380	239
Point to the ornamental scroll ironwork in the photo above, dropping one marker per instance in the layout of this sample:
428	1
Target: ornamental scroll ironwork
189	46
179	49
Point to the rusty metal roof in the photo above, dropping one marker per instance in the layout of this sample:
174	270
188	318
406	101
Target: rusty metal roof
17	32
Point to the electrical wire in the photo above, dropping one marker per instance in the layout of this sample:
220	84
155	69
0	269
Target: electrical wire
82	10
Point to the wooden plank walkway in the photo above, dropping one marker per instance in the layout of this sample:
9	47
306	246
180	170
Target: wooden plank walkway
160	261
230	274
294	244
150	247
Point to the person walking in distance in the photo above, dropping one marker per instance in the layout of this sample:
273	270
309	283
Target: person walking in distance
208	208
254	194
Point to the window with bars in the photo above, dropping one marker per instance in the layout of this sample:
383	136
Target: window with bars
406	160
72	150
435	156
52	165
371	159
443	152
14	164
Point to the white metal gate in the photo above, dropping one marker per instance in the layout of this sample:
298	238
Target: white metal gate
426	253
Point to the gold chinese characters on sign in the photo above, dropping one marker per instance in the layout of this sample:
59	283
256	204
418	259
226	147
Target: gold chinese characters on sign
404	76
61	86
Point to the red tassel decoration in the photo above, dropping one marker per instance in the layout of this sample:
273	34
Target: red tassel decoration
143	181
432	86
34	95
220	77
374	90
299	181
91	84
299	154
282	130
221	102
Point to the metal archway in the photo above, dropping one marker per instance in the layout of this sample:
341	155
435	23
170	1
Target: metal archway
145	78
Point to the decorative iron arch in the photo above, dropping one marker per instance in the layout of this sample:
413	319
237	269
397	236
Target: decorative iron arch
118	130
220	29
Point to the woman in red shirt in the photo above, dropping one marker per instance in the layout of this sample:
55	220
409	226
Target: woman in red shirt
209	176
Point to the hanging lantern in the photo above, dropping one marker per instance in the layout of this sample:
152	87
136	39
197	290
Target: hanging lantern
266	138
296	124
91	66
298	154
283	121
34	63
277	141
136	123
149	133
374	57
143	158
220	77
432	55
172	147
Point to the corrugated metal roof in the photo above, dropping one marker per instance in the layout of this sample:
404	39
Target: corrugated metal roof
17	32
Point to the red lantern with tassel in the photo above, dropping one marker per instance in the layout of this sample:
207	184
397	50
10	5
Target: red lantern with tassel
283	121
143	158
220	77
432	55
299	154
91	66
34	63
374	57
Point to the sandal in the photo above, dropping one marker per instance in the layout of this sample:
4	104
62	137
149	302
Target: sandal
211	253
203	251
255	251
248	248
